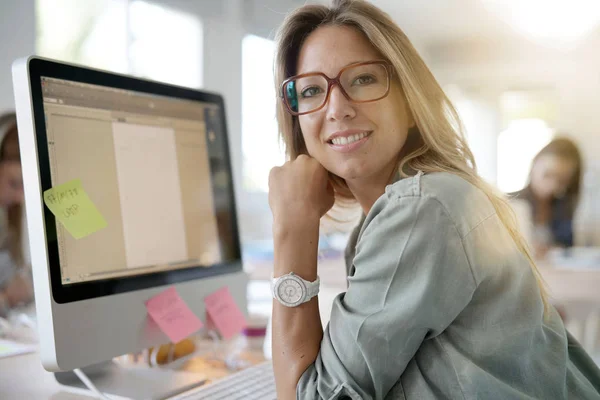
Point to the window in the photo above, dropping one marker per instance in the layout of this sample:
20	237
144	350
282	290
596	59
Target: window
479	124
134	37
260	145
517	146
165	45
526	115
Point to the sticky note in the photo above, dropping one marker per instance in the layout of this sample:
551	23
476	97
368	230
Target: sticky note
71	205
172	315
224	313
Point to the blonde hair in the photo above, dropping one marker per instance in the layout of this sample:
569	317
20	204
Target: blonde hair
435	144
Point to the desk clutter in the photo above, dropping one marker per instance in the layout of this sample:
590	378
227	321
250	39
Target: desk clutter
227	341
575	258
177	320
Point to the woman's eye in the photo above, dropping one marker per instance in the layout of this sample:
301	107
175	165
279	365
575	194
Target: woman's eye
363	80
311	91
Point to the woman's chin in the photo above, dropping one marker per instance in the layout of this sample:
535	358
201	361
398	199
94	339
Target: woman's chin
349	174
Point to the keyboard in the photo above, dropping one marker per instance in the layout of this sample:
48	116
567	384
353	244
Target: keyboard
252	383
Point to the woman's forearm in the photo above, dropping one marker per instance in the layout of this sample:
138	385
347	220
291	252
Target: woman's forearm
297	331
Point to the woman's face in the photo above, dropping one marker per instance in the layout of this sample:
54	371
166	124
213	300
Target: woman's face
551	176
11	184
385	122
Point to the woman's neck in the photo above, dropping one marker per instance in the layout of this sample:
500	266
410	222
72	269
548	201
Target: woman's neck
367	190
543	210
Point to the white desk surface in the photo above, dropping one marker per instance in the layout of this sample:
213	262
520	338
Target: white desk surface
23	377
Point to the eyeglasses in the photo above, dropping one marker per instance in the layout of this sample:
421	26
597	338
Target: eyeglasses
362	82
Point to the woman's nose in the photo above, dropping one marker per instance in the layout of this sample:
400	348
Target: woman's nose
339	107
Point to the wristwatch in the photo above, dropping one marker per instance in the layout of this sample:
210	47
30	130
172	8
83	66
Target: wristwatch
291	290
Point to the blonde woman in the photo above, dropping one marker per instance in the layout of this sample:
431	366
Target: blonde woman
443	300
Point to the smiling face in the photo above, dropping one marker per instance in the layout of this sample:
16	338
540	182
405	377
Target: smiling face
356	141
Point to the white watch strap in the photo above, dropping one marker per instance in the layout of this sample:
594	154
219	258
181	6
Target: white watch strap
312	288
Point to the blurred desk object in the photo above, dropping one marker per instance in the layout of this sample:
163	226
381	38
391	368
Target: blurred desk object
24	378
573	278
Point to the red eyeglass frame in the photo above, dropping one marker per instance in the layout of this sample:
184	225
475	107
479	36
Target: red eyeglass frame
332	82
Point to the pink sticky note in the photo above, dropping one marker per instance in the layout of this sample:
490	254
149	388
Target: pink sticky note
224	313
172	315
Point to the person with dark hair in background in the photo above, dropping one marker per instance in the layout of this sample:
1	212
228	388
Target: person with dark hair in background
552	194
15	279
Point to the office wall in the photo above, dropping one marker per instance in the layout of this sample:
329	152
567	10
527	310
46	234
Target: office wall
17	39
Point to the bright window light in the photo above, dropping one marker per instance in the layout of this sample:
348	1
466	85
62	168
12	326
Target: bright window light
555	22
260	145
91	32
122	36
170	54
517	146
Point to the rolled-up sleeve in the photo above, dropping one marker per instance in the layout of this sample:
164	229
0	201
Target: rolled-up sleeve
412	278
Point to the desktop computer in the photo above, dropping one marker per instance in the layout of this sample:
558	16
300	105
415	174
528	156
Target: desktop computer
154	161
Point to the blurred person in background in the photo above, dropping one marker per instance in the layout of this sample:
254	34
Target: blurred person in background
552	194
15	278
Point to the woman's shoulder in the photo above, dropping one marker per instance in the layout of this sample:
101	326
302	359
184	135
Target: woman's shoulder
465	204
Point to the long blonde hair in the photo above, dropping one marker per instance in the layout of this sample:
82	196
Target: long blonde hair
436	143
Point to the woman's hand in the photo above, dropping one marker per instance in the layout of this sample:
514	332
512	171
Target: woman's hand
299	192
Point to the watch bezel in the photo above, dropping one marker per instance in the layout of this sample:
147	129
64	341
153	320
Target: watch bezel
295	278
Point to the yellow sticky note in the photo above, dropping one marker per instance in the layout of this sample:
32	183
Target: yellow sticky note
71	205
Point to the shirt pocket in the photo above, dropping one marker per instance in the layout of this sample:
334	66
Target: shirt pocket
344	392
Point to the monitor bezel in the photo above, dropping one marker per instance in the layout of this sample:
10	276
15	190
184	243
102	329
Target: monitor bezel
72	292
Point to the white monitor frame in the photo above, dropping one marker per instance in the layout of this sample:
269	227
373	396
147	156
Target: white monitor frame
79	333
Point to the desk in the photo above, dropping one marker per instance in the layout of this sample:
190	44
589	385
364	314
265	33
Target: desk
572	284
23	377
577	291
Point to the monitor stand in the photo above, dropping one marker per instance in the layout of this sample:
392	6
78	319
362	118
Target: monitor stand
136	383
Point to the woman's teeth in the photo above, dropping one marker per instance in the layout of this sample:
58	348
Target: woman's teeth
349	139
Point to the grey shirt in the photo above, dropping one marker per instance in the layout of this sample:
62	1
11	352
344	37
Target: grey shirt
442	305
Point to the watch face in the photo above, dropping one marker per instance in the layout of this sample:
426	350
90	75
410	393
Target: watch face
290	291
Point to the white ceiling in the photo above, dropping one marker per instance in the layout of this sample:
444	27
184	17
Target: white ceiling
438	22
434	21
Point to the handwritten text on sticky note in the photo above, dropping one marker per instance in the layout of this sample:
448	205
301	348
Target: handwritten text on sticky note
224	313
172	315
71	205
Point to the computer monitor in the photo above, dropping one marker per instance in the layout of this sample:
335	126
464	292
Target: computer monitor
154	159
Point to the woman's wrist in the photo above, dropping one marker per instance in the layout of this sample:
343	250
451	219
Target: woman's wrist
296	248
284	227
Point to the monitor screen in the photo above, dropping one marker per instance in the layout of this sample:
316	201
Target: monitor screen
157	169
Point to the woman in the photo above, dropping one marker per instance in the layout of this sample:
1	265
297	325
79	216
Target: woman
443	300
553	193
15	280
